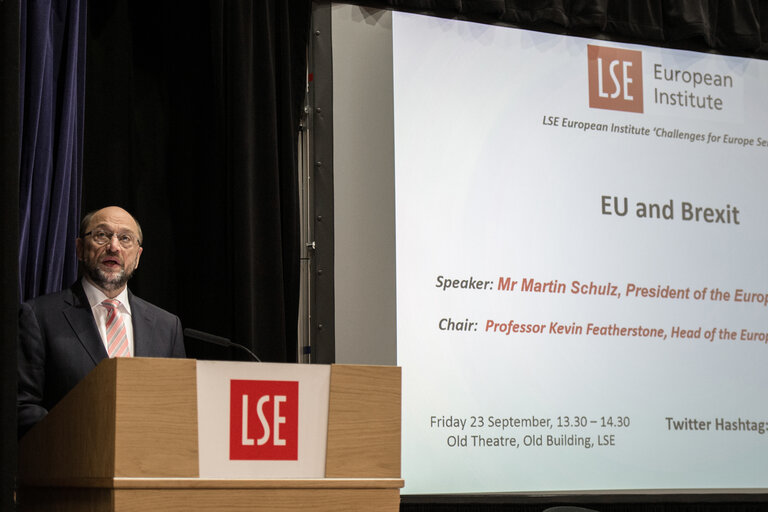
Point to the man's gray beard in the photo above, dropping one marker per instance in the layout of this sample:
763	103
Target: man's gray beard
109	282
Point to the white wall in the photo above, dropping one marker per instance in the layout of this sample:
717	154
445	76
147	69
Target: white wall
364	186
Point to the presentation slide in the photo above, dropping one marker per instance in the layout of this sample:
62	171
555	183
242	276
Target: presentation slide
582	263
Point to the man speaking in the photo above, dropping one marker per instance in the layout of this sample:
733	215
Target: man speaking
64	335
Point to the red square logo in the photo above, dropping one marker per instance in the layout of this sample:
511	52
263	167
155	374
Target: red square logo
264	420
615	78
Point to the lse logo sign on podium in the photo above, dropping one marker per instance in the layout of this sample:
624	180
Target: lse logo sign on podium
615	78
264	420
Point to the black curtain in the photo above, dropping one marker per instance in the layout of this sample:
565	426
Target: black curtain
192	118
52	89
9	254
738	27
43	71
191	124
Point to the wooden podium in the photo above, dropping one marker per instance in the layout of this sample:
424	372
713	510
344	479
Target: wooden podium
71	461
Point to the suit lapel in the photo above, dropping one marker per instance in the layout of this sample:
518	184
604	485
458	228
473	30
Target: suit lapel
143	327
80	318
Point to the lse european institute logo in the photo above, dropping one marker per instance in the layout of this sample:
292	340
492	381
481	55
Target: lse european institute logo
264	420
615	78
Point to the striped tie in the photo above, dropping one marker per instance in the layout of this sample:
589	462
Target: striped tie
117	338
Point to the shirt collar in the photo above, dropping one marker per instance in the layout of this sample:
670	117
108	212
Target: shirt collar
96	296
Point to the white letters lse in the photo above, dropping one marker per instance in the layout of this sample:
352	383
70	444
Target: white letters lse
277	421
616	84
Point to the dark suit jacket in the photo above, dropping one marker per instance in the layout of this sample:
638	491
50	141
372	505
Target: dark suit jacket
59	344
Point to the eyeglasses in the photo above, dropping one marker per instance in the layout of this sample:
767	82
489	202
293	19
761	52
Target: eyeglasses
126	240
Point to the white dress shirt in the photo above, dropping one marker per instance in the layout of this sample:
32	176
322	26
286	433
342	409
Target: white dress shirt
95	298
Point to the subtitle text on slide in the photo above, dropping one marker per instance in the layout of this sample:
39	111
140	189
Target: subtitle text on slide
661	132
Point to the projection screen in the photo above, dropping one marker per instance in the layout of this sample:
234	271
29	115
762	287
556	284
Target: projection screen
581	283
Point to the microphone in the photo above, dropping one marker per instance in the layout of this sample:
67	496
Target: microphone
217	340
